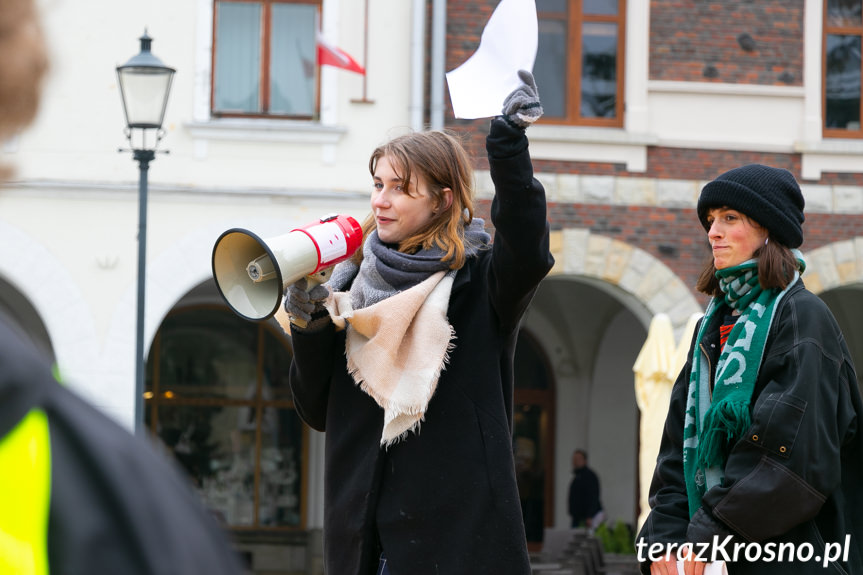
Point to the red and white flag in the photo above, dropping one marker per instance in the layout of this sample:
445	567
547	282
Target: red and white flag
329	55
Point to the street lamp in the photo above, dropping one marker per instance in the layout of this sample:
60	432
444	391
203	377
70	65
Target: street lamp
145	83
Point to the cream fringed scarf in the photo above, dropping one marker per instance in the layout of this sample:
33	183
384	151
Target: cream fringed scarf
397	348
398	336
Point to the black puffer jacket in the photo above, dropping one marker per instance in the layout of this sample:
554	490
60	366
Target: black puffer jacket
797	475
443	500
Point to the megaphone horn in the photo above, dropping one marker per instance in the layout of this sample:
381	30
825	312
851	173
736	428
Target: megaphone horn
252	273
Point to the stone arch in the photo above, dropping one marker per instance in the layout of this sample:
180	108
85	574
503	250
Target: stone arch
56	297
834	265
578	251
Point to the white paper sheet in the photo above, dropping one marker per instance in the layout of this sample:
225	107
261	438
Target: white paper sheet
509	41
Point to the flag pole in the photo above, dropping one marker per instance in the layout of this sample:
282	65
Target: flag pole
364	99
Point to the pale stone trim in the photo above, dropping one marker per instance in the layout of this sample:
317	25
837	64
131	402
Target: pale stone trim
50	287
834	265
665	193
577	251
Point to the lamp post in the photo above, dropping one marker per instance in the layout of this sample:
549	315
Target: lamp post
145	83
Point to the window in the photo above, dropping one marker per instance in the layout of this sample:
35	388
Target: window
264	58
579	63
217	397
843	30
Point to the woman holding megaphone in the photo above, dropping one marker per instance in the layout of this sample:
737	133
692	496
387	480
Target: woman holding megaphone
406	358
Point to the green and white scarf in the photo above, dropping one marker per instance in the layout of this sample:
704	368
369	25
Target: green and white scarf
713	424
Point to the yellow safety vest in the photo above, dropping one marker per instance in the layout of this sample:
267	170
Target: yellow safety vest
25	496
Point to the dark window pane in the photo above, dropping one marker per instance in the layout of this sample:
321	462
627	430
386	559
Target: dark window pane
217	449
217	413
281	461
608	7
238	57
598	70
842	79
844	12
551	5
207	353
292	60
550	69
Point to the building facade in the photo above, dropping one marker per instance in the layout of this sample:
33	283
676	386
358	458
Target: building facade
644	101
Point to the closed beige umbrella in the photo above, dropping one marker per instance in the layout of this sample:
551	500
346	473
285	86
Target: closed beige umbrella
656	368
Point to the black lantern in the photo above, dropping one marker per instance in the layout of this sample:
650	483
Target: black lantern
145	83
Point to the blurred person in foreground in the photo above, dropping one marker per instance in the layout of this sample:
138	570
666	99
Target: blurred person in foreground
761	460
408	366
78	493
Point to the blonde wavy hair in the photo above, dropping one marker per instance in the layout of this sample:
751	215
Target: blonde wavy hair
23	63
439	159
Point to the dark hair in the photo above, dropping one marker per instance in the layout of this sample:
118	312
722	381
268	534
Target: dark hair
776	266
582	452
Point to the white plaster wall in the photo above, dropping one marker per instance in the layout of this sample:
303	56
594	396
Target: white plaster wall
73	253
70	214
80	125
613	440
726	116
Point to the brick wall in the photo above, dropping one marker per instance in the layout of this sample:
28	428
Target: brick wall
670	235
662	162
748	42
738	42
674	236
686	37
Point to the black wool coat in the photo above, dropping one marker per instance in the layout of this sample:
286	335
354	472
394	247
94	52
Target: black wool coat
443	500
791	501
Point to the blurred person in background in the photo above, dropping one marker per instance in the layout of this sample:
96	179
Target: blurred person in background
585	507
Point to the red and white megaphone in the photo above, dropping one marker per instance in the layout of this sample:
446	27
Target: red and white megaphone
252	273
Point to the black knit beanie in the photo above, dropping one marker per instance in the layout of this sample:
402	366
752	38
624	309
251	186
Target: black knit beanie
770	196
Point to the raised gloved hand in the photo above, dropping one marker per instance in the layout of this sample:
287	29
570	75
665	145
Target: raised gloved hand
305	306
522	107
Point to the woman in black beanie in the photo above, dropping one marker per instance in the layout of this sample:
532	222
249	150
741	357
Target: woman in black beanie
761	461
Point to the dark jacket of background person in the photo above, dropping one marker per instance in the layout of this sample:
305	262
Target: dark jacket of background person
117	506
583	496
444	500
797	476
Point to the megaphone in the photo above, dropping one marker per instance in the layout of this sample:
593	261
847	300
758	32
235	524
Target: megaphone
252	273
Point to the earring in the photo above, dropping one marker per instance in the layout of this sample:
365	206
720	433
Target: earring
766	240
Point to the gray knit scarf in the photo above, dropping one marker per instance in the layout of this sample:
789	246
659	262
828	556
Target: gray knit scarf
385	271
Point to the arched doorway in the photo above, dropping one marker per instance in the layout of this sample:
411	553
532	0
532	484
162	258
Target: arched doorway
19	313
589	333
844	302
218	399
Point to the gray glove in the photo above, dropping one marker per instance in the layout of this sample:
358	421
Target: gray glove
522	108
306	308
